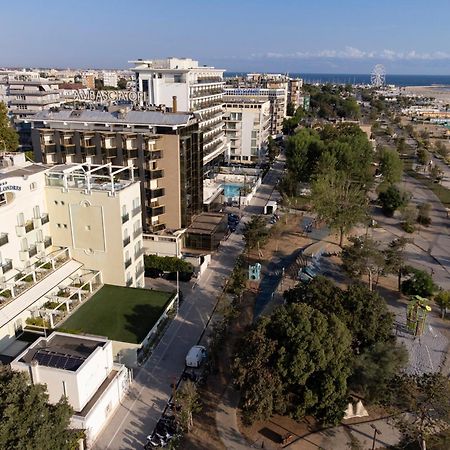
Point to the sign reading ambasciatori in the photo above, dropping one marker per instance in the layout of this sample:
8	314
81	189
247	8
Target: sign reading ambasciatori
106	96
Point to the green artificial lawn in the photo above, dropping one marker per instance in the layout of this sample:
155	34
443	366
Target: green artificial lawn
119	313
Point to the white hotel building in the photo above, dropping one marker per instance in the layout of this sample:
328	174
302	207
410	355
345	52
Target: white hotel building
247	127
64	231
183	85
82	369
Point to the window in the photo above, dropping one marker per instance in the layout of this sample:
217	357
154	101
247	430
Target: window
65	225
87	228
56	202
58	225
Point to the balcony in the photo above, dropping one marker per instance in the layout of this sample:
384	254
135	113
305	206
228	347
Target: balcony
136	211
22	230
154	174
49	147
44	219
139	271
47	242
155	154
25	255
127	263
139	253
157	226
156	210
110	152
3	239
204	80
132	153
125	217
155	193
129	282
6	266
68	149
126	241
89	150
137	233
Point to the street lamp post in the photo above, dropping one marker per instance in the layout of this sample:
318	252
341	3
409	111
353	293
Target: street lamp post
375	432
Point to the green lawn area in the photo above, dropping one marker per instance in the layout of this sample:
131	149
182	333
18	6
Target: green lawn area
120	313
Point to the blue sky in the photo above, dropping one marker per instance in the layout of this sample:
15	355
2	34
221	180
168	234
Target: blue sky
325	36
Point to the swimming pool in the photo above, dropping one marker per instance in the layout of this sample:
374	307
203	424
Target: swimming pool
231	189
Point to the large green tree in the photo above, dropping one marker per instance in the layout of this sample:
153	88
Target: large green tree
363	256
365	313
375	367
339	201
392	199
9	139
391	166
27	420
294	361
255	232
427	399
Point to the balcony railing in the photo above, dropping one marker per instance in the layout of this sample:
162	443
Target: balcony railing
29	226
49	148
6	266
127	263
139	271
156	210
32	251
126	241
44	219
154	174
155	154
125	217
47	242
154	228
137	233
136	211
129	282
155	193
3	239
132	153
139	253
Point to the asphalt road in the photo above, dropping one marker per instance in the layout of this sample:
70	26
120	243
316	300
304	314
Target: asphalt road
136	417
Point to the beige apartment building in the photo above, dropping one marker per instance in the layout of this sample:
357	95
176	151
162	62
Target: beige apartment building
247	126
65	230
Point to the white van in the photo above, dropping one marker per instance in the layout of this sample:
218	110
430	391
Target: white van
195	356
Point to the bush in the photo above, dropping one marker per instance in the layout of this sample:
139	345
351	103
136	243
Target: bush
391	199
423	216
38	321
408	227
419	283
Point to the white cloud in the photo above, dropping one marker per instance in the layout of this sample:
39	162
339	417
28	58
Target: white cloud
350	52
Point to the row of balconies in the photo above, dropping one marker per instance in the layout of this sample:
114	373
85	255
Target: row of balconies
204	80
198	106
206	92
30	225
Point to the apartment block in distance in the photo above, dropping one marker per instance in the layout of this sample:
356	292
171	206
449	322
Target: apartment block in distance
64	231
276	97
182	84
164	148
247	126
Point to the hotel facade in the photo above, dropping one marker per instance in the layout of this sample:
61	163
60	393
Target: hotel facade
183	85
165	150
65	231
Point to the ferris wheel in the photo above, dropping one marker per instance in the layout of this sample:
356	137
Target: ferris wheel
378	76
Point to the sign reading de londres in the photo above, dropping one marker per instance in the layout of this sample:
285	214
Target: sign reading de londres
105	96
4	187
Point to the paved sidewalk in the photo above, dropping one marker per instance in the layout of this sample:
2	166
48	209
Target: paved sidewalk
226	421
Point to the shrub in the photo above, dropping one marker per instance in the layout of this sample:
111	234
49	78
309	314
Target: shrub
419	283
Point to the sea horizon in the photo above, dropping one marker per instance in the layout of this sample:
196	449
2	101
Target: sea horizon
350	78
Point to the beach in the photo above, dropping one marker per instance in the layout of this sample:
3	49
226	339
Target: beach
438	92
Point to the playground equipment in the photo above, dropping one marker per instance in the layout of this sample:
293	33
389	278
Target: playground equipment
416	314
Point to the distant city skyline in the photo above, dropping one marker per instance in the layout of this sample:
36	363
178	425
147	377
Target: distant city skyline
350	36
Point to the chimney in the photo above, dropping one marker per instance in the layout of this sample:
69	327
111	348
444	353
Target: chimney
34	371
174	103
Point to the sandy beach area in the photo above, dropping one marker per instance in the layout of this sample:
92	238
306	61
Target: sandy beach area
438	92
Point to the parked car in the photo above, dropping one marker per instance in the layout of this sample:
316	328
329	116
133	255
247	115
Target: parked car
196	355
